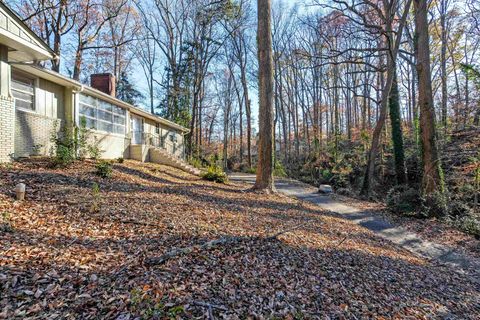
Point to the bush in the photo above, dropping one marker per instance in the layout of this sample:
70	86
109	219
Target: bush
120	160
403	200
434	205
94	149
345	192
251	170
104	169
279	170
459	209
215	174
83	133
64	150
196	163
470	225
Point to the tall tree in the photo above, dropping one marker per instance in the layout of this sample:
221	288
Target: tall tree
397	134
432	171
264	179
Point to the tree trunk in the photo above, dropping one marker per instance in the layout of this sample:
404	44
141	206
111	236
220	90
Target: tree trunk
265	87
443	62
391	67
432	175
397	134
77	69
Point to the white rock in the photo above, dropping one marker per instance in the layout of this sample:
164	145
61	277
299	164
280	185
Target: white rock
325	188
20	191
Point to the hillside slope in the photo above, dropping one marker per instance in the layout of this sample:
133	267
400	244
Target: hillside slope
71	252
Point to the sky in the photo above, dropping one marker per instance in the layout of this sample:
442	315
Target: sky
140	81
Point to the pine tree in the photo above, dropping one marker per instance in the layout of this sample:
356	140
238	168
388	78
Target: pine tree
127	92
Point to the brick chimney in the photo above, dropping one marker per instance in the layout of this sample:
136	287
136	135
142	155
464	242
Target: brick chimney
104	82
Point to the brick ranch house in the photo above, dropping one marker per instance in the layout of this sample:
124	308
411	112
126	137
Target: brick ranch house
33	99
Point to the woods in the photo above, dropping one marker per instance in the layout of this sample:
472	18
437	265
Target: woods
364	95
239	159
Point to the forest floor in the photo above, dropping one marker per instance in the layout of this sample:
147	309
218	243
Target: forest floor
430	238
70	252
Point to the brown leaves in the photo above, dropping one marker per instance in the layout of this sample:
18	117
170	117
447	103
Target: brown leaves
64	261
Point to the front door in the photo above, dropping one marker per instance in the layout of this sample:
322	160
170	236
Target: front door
137	130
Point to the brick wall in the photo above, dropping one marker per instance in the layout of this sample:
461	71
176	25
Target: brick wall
32	133
7	122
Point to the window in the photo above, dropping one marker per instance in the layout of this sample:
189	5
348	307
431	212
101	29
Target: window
101	115
157	128
23	90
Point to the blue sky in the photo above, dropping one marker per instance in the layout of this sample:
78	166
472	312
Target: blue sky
139	78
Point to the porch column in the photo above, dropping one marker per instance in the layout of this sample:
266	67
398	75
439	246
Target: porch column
7	109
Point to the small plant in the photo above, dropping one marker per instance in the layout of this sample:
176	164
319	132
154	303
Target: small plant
83	133
96	198
196	163
6	223
94	149
403	200
279	170
64	150
434	205
251	170
120	160
215	174
148	304
459	209
470	225
104	169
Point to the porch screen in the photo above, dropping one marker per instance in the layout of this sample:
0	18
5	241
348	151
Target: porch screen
101	115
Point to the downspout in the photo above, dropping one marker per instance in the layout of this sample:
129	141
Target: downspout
76	91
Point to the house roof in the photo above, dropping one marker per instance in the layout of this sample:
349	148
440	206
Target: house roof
79	87
23	43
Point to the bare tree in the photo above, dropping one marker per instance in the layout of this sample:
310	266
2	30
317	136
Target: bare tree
265	85
432	171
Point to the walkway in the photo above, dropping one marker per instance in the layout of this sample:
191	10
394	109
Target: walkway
374	222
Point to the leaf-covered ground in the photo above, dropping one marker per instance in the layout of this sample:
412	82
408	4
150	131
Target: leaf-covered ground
69	252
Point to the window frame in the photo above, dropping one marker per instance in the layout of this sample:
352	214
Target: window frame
109	109
33	94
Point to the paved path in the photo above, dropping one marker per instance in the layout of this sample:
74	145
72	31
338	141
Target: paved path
376	223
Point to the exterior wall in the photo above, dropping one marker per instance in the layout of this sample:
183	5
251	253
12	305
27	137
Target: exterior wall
139	152
112	146
32	133
7	116
175	148
33	129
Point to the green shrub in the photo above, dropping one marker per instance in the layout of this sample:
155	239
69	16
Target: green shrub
104	169
215	174
434	205
94	149
196	163
64	149
458	209
470	225
83	134
326	176
95	206
403	200
6	222
279	170
120	160
251	170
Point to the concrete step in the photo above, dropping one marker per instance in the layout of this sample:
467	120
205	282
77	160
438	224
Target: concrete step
162	157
